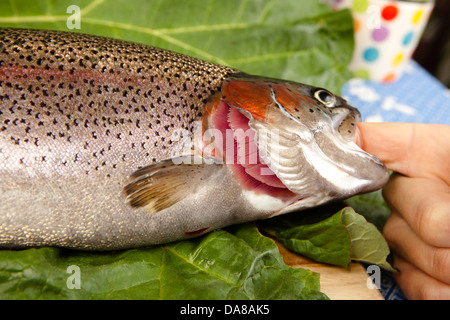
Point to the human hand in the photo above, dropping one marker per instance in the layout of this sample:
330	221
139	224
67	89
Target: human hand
418	193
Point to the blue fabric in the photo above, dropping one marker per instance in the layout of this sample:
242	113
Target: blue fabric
389	288
416	97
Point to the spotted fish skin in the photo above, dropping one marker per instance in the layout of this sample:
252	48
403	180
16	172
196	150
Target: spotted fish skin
87	144
78	115
110	104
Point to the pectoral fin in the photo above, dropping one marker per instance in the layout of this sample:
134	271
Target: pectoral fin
161	185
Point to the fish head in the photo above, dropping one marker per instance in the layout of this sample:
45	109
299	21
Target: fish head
298	142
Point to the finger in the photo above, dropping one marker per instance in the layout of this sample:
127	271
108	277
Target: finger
404	242
424	204
416	284
385	140
419	150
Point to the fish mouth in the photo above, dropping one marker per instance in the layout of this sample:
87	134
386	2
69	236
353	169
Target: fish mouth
356	171
345	125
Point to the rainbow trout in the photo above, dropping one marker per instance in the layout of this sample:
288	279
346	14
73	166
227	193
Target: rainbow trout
106	144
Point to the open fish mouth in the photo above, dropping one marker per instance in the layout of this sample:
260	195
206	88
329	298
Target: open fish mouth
301	170
239	148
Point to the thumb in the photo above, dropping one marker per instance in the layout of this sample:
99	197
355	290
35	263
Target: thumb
410	149
388	141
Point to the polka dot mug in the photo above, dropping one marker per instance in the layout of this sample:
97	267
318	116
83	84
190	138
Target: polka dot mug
386	35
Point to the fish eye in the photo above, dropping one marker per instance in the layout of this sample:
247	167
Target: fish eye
325	97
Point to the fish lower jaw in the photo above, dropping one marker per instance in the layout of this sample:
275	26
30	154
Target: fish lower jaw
342	181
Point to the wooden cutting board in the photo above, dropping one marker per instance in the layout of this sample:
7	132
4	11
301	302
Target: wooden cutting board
336	282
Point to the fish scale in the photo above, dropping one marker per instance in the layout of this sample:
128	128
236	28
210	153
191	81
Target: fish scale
77	103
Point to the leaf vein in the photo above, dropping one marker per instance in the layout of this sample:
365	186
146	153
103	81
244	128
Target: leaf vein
91	6
203	269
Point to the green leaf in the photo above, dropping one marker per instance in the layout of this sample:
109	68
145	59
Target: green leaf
368	245
326	240
237	263
304	42
336	240
372	206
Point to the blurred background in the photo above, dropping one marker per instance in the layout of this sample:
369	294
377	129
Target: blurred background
433	52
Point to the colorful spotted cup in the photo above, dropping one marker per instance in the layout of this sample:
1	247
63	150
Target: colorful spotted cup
386	35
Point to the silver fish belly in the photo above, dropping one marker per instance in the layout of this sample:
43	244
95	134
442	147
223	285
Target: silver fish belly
91	130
